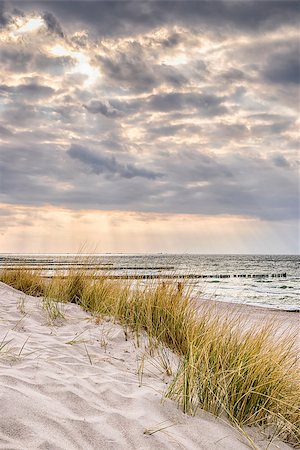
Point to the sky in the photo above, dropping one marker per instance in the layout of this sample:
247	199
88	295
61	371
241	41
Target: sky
144	126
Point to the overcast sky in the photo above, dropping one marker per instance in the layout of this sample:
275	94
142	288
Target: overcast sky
149	126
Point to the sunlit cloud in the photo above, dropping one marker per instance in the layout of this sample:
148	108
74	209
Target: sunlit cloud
22	26
83	63
31	25
59	50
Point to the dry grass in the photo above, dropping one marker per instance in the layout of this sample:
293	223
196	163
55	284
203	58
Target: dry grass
250	376
25	280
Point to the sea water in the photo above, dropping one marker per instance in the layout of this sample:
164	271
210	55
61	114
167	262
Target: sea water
268	291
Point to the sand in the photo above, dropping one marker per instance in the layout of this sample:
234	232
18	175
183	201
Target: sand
72	383
287	320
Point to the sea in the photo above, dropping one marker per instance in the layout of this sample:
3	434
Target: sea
263	280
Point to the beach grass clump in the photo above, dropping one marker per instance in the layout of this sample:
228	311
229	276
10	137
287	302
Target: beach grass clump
26	280
249	374
67	288
250	377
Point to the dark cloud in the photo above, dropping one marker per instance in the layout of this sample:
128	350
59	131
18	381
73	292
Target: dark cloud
116	107
171	41
53	24
52	65
26	172
284	68
240	14
105	108
109	18
132	70
194	182
280	161
20	114
3	17
233	184
100	164
15	59
164	131
232	75
206	104
30	91
4	131
275	128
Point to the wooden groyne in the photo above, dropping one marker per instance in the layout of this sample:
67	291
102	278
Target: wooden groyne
177	277
137	272
189	276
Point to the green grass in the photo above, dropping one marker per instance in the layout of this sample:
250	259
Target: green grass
248	374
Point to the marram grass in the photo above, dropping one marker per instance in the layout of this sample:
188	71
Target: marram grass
249	374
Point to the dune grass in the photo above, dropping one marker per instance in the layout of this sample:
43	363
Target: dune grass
248	374
25	280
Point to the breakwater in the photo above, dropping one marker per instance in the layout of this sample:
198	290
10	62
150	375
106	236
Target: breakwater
179	276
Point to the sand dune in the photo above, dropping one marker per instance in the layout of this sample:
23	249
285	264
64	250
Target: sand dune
74	384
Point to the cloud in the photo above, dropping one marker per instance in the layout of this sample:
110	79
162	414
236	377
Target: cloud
3	17
53	24
52	65
100	164
171	41
15	59
193	182
102	107
280	161
232	75
206	104
4	131
31	90
161	107
109	18
284	68
133	70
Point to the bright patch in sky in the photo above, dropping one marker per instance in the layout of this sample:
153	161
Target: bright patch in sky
176	60
31	25
59	50
82	66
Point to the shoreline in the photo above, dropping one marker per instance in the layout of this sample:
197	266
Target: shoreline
287	321
243	277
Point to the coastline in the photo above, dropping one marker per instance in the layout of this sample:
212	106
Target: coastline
260	289
287	322
257	313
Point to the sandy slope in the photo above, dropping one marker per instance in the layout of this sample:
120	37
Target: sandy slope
86	395
286	322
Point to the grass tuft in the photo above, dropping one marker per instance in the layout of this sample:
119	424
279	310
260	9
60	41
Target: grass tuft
28	281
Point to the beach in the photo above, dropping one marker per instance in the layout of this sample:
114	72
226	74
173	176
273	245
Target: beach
77	383
287	322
